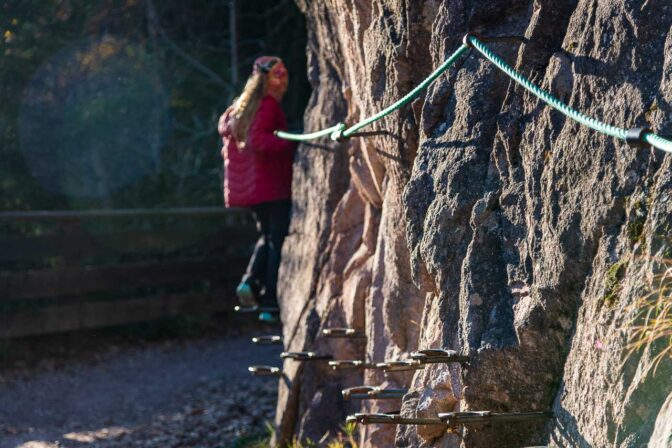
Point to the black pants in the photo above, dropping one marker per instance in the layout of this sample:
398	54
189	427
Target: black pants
262	271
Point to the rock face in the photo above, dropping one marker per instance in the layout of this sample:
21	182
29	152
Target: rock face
480	220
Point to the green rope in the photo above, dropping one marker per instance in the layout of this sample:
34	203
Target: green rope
658	142
549	99
410	95
339	132
312	135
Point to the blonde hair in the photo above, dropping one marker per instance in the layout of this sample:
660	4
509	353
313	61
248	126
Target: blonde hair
246	106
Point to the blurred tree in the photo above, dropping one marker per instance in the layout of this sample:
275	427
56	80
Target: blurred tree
113	103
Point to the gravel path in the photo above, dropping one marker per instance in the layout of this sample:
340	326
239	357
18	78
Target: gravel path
191	394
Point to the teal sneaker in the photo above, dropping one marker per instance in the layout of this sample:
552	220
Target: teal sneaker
246	295
267	317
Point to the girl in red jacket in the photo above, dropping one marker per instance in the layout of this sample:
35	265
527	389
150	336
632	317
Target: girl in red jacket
258	174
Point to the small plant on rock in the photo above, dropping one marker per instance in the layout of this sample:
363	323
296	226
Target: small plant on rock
652	325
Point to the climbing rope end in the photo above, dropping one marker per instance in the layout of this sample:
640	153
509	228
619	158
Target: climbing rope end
635	137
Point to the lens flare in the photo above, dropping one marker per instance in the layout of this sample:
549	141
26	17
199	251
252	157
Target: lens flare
93	118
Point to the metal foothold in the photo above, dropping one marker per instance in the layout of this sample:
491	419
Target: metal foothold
264	371
438	356
393	419
245	309
305	356
267	339
349	364
476	417
354	392
342	333
372	393
256	309
435	352
400	366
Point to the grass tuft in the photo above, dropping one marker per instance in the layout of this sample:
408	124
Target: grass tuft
652	325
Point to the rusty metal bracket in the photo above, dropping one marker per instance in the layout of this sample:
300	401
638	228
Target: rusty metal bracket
350	364
450	419
267	339
438	356
392	419
400	366
477	417
342	333
265	371
372	393
305	356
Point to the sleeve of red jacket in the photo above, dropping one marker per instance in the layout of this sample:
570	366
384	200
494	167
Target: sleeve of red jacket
260	136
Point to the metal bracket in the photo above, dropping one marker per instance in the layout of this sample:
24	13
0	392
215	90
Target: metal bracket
350	364
438	356
475	417
392	419
400	366
342	333
256	309
305	356
267	339
357	392
449	419
265	371
372	393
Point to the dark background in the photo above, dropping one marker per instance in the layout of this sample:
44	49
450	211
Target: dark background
114	103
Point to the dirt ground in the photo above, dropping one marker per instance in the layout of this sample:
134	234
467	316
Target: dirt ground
176	393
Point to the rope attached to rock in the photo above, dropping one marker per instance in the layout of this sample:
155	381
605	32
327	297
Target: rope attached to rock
635	137
338	132
312	136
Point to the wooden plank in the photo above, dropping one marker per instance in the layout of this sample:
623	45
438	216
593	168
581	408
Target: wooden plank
85	245
103	314
76	281
69	215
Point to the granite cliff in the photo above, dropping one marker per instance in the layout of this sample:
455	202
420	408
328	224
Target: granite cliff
479	219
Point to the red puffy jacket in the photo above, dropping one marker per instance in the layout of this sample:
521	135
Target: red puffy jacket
263	171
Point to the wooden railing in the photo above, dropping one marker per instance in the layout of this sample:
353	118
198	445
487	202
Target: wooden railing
70	270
